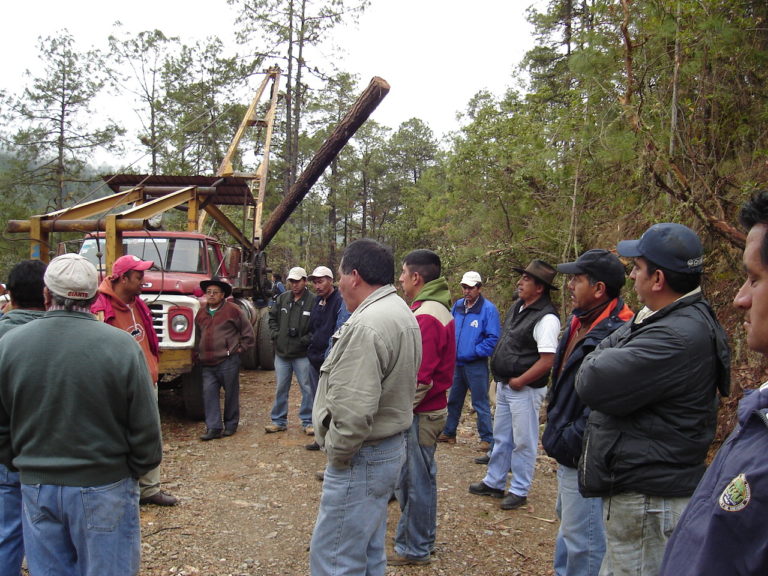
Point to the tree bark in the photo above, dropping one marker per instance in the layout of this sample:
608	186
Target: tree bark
357	115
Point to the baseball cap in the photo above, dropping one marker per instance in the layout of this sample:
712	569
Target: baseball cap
471	278
600	265
672	246
127	263
71	276
321	271
297	273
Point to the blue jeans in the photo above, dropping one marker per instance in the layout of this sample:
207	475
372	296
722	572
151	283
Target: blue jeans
284	369
224	375
417	494
473	377
11	536
637	531
74	531
580	542
351	523
515	438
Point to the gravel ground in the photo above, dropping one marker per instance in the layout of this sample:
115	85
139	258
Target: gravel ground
248	503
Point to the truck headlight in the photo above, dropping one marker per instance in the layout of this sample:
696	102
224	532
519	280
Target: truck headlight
180	323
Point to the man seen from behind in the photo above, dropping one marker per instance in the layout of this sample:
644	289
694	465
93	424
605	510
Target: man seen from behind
79	416
25	285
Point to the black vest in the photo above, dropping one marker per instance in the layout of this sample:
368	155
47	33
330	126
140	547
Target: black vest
516	350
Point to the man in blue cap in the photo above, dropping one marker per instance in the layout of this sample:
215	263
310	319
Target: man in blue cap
652	389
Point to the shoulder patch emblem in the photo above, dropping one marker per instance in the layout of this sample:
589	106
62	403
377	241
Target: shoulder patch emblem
736	495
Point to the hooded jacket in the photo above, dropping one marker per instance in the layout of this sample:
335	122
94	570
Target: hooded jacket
432	307
566	413
109	308
652	388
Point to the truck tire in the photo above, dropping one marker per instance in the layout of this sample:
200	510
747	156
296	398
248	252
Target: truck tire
192	393
264	342
249	360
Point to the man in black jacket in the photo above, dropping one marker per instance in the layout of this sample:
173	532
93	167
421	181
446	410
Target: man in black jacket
652	387
289	327
521	363
595	283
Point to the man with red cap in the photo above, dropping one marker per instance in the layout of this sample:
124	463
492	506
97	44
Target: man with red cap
119	305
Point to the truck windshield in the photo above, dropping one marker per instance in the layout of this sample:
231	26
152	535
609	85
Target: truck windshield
170	254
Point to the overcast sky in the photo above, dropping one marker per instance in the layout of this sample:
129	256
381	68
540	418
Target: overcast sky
435	54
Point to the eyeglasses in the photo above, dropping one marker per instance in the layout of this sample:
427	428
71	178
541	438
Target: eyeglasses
213	292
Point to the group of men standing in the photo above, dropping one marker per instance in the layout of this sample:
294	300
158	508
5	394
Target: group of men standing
631	410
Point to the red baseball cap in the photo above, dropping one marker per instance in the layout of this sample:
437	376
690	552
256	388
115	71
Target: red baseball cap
127	263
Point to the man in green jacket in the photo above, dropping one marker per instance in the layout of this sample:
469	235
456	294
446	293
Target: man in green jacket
289	326
79	420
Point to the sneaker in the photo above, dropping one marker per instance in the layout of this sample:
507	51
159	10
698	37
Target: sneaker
443	437
309	430
397	560
482	489
272	428
513	501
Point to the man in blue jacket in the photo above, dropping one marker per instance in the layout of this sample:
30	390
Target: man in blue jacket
477	325
596	279
722	531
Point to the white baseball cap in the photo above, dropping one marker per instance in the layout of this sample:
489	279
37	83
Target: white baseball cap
297	273
321	271
71	276
471	278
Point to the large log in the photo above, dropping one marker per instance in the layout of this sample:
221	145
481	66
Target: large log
357	115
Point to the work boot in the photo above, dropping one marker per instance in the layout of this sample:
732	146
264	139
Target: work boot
211	434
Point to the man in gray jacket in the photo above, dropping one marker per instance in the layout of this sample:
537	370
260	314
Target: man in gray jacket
652	387
363	407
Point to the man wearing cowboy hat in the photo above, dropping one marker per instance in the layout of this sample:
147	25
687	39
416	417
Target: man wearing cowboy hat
223	332
521	364
119	305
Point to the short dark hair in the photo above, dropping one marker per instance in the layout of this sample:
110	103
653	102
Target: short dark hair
25	283
277	276
753	212
610	291
372	260
425	262
678	281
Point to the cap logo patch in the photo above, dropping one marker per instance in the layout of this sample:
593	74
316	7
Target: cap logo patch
695	262
736	495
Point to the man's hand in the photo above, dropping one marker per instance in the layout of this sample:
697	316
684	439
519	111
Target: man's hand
515	384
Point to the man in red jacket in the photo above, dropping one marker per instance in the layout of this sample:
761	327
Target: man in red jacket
119	305
431	303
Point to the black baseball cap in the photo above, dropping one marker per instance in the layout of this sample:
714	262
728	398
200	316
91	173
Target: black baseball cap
601	265
672	246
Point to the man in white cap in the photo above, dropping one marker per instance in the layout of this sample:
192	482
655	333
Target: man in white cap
119	305
477	325
289	326
322	325
78	419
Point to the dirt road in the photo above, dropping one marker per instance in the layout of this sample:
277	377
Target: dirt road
248	503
